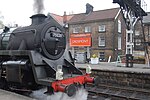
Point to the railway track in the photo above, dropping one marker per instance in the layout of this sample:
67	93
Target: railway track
106	92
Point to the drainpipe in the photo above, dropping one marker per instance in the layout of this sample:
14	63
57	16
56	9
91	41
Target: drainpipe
113	38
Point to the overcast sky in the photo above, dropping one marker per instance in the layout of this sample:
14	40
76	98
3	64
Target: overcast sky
19	11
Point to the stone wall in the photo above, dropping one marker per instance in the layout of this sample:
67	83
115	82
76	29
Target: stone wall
127	79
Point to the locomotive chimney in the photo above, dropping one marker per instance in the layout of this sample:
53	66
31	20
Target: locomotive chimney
38	19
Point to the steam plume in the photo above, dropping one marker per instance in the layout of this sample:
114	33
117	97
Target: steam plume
38	6
81	94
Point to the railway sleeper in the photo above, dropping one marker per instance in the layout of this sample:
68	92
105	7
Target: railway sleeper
119	92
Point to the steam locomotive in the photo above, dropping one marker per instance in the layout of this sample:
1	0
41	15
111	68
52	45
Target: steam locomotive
36	55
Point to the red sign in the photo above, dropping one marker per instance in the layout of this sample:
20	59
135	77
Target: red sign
78	40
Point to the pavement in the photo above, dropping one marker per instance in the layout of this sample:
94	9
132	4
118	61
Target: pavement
6	95
120	67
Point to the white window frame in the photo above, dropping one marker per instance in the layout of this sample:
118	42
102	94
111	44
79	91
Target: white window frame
101	41
101	28
137	33
76	30
119	26
119	43
87	29
101	56
137	42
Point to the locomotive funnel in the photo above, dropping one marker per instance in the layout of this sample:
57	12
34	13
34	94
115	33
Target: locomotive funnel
38	19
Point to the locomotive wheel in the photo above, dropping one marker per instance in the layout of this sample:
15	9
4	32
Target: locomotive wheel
71	90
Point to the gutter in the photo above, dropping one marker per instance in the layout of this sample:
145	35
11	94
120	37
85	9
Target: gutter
82	22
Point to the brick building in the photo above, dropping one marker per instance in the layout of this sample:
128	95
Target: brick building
104	30
101	33
146	22
141	40
138	38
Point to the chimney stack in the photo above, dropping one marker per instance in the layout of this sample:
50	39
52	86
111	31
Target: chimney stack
64	18
89	8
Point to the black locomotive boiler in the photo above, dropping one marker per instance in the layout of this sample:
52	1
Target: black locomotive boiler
36	55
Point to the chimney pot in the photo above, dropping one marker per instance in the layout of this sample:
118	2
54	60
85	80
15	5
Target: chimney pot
89	8
64	18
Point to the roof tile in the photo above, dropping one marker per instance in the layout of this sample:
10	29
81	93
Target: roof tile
60	19
95	15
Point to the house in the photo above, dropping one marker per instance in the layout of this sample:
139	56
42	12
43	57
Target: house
146	22
61	19
100	33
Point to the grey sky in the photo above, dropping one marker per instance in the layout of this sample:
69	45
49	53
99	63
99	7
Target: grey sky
19	11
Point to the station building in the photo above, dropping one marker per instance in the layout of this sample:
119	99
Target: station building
141	36
99	33
139	45
146	22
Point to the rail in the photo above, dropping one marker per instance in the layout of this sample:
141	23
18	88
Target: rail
117	93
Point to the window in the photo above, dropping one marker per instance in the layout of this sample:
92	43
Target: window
119	26
87	29
119	42
137	33
101	41
76	30
102	56
101	28
137	42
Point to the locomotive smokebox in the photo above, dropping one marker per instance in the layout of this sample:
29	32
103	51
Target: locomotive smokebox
38	19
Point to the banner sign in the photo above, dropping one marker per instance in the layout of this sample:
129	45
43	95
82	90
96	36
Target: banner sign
78	40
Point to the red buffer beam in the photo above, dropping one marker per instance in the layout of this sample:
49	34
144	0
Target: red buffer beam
70	85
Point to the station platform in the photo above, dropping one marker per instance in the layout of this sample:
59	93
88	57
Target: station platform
119	75
112	66
6	95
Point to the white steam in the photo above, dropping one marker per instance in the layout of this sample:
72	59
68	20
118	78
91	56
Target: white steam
81	94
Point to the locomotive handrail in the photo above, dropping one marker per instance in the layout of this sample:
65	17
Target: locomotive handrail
14	52
19	62
21	32
56	32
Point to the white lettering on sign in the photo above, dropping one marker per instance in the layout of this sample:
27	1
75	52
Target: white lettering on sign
79	41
